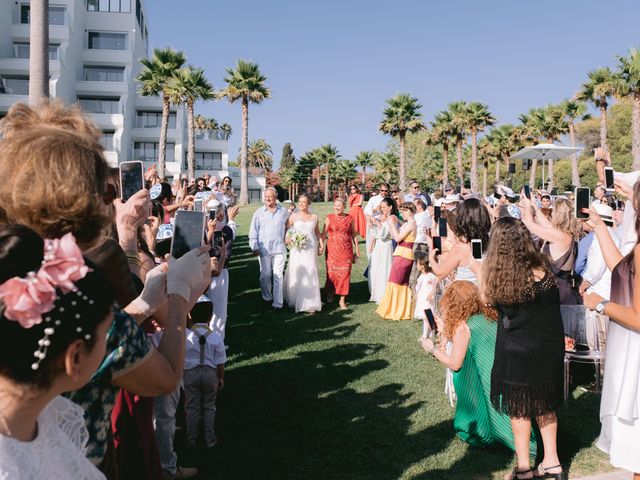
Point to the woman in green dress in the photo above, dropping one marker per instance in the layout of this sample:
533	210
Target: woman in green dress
469	328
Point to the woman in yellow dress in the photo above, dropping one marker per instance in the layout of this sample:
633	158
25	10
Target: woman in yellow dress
397	303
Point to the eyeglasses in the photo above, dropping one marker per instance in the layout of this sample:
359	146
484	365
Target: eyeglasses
109	194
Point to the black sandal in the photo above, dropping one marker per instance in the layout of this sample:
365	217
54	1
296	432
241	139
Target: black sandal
543	472
516	472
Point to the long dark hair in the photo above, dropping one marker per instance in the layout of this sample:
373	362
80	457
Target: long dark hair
391	203
508	269
473	221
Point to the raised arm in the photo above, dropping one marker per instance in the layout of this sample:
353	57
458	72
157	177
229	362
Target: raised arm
449	263
460	345
405	230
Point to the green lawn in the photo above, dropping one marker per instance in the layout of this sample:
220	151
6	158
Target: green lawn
347	395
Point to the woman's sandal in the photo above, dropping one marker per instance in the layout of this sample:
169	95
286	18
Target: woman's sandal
516	472
543	472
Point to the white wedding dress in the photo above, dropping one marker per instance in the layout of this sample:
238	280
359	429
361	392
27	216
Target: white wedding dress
301	284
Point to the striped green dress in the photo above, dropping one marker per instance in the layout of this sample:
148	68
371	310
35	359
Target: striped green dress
476	421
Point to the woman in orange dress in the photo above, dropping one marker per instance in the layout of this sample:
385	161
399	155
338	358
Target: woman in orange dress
397	302
355	210
341	245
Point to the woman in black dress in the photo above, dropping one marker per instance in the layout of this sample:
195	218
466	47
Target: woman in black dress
527	375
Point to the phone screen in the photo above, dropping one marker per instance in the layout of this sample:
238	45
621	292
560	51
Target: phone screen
212	214
608	179
527	191
437	212
497	195
512	168
437	244
476	247
197	205
583	200
442	226
217	238
188	232
432	321
131	179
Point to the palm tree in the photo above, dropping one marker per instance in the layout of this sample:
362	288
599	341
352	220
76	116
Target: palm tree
441	134
260	155
38	51
531	132
500	139
154	78
364	160
460	130
344	172
402	116
602	84
327	155
247	84
226	130
574	109
188	85
629	72
479	118
488	151
305	167
553	126
386	166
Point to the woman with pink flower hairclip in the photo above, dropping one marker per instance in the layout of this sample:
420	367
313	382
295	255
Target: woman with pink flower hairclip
55	311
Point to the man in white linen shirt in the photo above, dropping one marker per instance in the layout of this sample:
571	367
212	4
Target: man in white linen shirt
596	278
266	240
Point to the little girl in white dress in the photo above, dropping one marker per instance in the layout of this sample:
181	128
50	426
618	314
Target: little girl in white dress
425	288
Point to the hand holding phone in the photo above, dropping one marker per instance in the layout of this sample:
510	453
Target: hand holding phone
582	202
476	248
131	179
437	244
609	183
188	232
442	227
432	321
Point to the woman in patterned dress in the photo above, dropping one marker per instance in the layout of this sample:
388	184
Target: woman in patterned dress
341	245
397	303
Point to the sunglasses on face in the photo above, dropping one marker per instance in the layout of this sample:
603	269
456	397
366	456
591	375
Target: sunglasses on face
109	194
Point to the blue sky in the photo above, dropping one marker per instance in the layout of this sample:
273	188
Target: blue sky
331	64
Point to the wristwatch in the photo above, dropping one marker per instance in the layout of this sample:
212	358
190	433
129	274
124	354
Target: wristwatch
601	305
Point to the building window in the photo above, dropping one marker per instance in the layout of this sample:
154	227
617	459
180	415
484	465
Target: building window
107	41
255	195
106	139
107	105
103	74
206	160
57	14
14	85
146	119
22	50
148	151
117	6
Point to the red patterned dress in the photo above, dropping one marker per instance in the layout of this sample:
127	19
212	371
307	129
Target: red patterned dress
356	212
339	253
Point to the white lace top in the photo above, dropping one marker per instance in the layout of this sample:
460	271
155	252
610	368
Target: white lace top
57	452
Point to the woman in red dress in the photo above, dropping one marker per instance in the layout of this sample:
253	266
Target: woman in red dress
340	252
355	210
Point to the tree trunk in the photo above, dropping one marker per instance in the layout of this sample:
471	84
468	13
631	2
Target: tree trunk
39	51
363	176
474	160
191	146
402	184
326	184
244	179
459	172
635	128
498	170
162	146
445	164
485	174
551	181
532	174
603	126
575	174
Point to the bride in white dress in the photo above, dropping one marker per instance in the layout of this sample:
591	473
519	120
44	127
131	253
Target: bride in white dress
301	284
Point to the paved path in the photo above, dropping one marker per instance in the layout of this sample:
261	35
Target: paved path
617	475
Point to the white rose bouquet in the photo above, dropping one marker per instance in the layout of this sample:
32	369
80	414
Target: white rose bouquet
297	239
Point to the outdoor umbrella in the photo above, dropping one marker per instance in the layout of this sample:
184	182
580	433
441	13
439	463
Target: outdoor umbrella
544	151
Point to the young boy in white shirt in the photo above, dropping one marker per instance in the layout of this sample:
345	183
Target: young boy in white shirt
203	373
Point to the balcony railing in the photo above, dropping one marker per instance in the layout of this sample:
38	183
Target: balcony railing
14	86
211	135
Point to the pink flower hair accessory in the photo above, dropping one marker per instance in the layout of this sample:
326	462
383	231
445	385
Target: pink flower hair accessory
27	299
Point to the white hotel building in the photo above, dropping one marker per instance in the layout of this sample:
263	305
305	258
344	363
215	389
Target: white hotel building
95	47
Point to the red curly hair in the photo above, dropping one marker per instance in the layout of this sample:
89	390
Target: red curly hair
460	301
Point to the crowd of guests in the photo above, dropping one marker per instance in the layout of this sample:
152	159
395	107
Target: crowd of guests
102	330
505	310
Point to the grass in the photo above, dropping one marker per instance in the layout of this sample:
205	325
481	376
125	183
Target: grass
347	395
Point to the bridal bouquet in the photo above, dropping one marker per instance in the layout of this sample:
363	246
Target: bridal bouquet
298	239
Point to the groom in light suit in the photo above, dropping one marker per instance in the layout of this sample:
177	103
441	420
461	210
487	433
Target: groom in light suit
266	240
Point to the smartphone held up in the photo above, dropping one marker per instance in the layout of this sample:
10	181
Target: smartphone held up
188	232
131	179
582	197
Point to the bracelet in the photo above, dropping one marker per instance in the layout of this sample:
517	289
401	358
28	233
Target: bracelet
134	260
